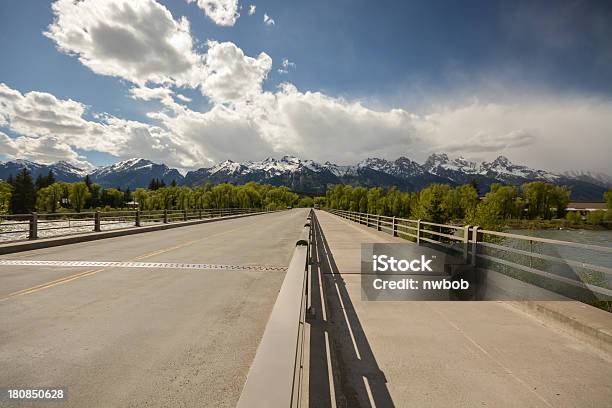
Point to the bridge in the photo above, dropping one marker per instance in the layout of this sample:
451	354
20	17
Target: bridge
253	308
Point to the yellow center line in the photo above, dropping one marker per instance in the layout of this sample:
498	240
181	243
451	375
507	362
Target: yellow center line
90	272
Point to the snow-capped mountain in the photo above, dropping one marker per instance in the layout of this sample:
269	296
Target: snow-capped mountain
306	175
504	170
592	177
62	170
134	173
310	176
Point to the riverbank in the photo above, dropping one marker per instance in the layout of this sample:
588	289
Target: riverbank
556	225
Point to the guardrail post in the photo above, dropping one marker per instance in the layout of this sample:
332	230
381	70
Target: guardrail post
97	227
33	226
418	231
394	227
185	215
475	239
137	223
378	227
165	216
466	240
367	220
200	213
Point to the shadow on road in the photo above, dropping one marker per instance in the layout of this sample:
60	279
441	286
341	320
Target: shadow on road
338	342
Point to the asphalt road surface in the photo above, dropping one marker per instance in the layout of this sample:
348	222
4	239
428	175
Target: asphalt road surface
135	337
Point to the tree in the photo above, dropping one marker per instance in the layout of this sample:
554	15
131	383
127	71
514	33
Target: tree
87	182
306	202
435	203
50	178
23	199
542	197
112	197
608	199
6	192
79	193
49	197
41	182
140	196
96	192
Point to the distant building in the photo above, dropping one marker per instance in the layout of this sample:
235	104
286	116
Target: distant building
584	208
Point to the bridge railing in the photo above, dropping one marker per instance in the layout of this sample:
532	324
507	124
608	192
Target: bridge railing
275	377
577	270
17	227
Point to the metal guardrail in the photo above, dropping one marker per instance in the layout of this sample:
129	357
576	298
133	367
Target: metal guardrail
533	262
275	377
38	225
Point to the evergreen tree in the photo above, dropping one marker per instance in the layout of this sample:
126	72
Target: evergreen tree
41	182
173	183
87	181
50	178
24	193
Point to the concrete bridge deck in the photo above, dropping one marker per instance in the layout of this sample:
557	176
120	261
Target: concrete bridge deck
154	337
435	354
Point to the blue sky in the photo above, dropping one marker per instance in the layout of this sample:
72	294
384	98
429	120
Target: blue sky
427	73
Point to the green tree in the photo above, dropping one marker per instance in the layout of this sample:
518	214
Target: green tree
49	198
608	199
23	199
435	203
79	193
140	196
113	197
6	192
306	202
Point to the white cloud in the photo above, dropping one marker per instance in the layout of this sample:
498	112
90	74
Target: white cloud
222	12
545	131
252	9
46	149
231	75
137	40
268	20
183	98
51	129
285	65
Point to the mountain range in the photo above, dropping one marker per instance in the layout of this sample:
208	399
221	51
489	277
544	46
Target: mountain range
312	177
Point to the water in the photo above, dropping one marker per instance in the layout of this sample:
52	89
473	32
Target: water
586	256
601	238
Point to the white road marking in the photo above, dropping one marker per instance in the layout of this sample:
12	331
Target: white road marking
160	265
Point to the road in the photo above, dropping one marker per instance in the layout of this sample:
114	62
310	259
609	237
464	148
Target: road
154	337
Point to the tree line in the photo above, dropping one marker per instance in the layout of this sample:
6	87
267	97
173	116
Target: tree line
441	203
22	194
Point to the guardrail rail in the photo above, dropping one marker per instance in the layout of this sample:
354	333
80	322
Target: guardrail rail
532	259
18	227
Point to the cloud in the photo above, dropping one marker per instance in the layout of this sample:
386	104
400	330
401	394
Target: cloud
222	12
47	150
50	129
183	98
268	20
252	9
137	40
554	132
231	75
285	65
487	142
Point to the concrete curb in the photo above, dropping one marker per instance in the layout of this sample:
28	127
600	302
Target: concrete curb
588	323
94	236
